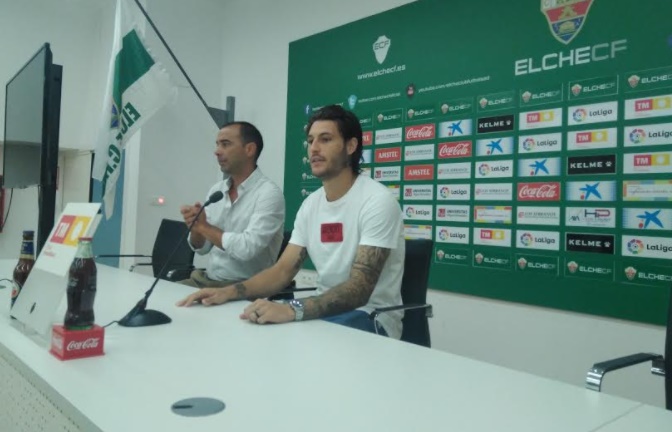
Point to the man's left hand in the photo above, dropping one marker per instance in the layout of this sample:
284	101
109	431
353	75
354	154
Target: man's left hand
266	312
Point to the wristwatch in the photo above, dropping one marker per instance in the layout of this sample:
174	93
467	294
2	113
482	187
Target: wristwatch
297	307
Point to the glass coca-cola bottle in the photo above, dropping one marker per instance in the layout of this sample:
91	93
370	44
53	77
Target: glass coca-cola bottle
25	264
81	288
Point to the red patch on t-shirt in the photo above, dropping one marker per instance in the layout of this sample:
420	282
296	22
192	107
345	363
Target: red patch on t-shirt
332	232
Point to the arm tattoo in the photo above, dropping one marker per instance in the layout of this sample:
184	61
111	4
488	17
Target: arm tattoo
301	258
356	291
241	291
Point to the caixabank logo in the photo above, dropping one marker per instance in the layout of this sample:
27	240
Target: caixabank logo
565	17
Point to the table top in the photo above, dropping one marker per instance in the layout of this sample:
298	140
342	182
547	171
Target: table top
643	418
309	375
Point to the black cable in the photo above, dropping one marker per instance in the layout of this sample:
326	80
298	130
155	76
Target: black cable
4	221
107	325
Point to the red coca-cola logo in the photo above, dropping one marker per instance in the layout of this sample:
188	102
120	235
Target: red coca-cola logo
457	149
419	172
82	345
539	191
420	132
367	138
391	154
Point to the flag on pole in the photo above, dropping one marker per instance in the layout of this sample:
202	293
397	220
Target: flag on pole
137	87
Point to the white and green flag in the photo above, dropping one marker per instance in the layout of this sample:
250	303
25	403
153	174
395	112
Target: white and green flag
137	88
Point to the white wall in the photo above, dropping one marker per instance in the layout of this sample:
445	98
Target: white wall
554	344
175	158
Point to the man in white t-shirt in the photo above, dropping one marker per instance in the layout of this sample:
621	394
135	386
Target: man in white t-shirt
352	229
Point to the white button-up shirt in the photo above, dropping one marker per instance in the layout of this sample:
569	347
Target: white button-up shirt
252	228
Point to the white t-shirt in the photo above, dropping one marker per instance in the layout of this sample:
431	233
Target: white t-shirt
367	215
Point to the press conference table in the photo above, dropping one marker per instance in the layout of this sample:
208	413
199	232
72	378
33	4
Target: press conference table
308	376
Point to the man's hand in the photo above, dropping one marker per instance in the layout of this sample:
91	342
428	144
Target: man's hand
189	214
266	312
207	297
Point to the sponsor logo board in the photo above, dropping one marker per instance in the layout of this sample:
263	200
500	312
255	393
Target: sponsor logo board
590	217
534	215
493	191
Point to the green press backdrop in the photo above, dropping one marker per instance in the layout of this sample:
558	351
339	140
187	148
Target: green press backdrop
531	140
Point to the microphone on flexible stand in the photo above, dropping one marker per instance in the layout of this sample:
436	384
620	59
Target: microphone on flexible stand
140	316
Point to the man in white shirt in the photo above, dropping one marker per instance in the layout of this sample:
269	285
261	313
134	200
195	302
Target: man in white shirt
241	233
352	228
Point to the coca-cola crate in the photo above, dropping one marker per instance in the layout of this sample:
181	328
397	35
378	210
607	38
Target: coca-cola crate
74	344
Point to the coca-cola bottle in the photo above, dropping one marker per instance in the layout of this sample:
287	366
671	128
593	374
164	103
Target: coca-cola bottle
81	288
25	264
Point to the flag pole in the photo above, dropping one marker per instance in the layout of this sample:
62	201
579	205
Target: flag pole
177	62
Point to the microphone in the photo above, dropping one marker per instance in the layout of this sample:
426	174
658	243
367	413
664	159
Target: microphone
140	316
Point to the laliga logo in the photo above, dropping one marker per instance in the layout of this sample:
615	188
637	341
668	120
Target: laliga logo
484	169
410	212
637	136
572	266
443	234
565	18
529	144
635	246
630	273
580	115
526	239
380	48
445	192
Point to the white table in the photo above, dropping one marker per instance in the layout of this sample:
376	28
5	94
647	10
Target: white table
311	376
644	418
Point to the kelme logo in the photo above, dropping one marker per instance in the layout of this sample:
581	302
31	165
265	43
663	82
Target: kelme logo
565	17
380	48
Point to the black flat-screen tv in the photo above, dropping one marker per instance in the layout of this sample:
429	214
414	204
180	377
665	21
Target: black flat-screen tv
32	121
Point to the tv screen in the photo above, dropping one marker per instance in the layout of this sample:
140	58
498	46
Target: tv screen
32	122
25	99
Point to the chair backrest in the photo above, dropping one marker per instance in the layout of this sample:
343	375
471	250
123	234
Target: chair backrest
668	357
414	290
286	235
169	233
286	294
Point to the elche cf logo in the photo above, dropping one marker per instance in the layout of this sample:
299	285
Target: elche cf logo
380	48
630	272
565	17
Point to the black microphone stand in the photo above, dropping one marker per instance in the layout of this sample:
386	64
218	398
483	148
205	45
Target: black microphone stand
140	316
